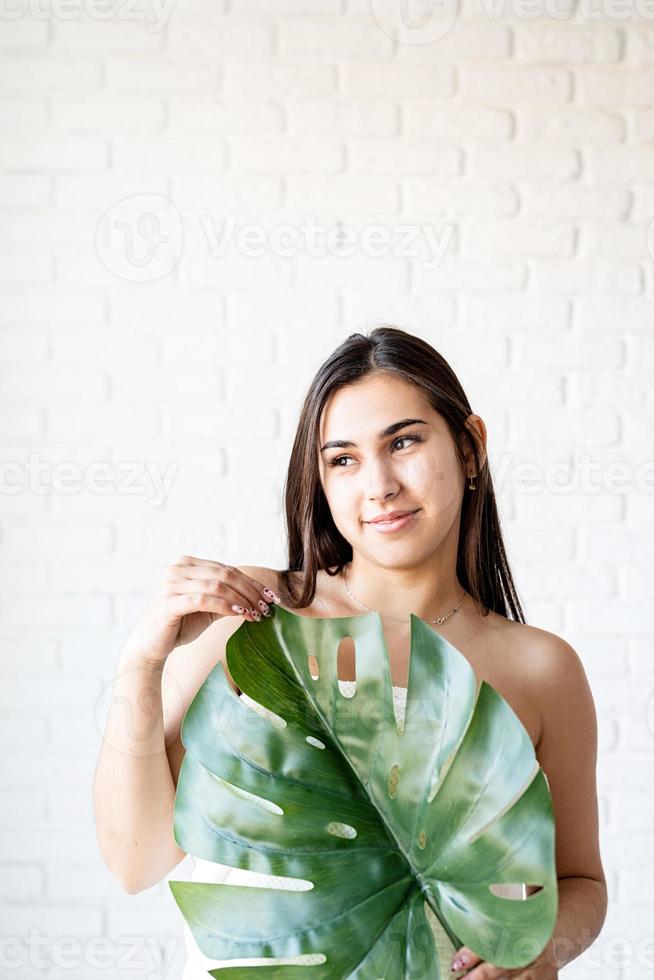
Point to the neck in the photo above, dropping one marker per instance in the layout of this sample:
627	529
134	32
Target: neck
425	590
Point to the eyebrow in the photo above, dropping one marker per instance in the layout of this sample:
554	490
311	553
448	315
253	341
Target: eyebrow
388	431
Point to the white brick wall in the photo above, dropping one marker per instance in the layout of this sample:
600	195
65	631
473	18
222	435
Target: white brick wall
529	139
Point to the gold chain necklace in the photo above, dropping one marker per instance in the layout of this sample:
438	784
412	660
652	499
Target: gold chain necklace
440	620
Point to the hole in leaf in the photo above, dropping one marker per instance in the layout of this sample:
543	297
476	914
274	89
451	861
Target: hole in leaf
315	741
346	664
314	667
258	800
341	830
514	890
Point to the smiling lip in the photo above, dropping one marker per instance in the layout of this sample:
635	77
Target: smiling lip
389	526
390	517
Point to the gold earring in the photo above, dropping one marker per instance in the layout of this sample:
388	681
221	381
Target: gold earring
471	485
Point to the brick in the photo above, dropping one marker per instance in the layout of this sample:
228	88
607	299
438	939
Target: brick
343	117
23	32
350	194
20	344
169	306
618	86
103	347
609	314
426	313
23	266
284	7
280	307
316	39
235	116
518	239
17	190
38	538
72	153
288	156
368	272
103	423
27	75
278	81
572	201
531	161
166	155
91	611
436	119
473	40
238	196
159	75
515	313
459	199
108	115
570	125
224	346
33	652
459	274
579	276
515	83
44	306
140	33
619	163
567	44
389	158
585	354
25	732
24	114
639	45
220	38
22	882
49	383
397	80
161	384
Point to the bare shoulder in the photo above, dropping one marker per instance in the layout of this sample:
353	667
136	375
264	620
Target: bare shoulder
544	654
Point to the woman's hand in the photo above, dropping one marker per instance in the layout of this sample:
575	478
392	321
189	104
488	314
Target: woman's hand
540	969
192	594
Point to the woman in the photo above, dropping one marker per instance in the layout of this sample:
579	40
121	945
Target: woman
390	507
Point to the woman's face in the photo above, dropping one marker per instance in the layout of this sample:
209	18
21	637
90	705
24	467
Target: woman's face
415	468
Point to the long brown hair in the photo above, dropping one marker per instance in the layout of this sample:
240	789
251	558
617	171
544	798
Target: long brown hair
314	541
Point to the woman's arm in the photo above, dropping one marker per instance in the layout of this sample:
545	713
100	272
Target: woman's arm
133	789
567	753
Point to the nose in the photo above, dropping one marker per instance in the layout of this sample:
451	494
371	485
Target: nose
382	482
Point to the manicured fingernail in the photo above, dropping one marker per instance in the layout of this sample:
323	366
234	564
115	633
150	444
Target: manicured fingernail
263	606
238	609
269	594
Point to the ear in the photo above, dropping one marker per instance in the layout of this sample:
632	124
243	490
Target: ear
476	430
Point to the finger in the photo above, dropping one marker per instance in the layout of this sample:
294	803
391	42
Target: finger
464	958
228	582
249	602
198	597
486	971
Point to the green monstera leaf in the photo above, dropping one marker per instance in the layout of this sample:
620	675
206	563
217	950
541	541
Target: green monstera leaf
400	832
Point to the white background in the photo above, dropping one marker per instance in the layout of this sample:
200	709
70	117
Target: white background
531	140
